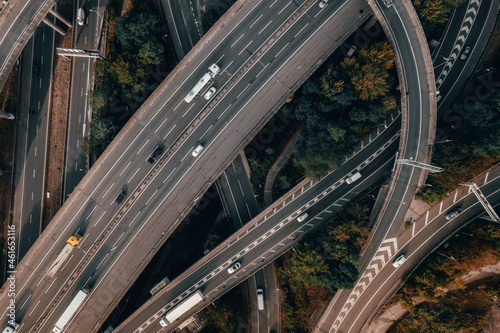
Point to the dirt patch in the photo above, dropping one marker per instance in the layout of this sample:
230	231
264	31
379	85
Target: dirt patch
57	130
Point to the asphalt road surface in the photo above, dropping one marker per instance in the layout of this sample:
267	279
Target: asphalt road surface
416	243
31	141
76	162
115	258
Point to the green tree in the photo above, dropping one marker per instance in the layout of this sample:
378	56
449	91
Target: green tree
306	263
135	30
151	52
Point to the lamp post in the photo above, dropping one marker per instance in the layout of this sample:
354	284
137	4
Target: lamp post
91	10
445	61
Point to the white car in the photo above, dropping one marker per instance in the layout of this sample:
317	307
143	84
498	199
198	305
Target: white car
234	267
399	261
302	217
465	53
80	16
197	150
323	3
210	93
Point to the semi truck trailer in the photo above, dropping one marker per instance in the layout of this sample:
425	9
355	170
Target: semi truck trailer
207	77
182	308
71	310
64	254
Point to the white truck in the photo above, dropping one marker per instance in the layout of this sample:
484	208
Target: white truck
353	178
64	254
11	327
182	308
213	70
71	310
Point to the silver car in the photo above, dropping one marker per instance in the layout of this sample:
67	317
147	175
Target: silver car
399	261
197	150
80	16
323	3
210	93
234	267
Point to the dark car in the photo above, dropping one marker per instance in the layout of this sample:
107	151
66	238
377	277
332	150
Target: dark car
453	213
154	155
120	197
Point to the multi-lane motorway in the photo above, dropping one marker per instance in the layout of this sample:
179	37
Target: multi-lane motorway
87	38
114	257
113	250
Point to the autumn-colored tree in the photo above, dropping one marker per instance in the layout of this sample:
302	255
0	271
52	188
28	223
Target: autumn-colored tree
306	262
331	85
368	72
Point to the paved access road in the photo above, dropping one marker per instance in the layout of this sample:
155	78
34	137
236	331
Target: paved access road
184	28
271	233
428	232
456	57
32	131
109	261
87	37
417	127
18	22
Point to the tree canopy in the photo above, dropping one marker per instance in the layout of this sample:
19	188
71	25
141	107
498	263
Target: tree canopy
340	107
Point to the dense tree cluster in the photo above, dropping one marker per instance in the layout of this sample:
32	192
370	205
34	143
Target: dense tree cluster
472	146
340	107
134	66
460	309
329	257
227	313
434	14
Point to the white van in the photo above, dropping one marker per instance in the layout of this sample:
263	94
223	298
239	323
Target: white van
353	178
260	299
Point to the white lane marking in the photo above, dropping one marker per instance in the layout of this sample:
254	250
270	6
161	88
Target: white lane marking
426	217
145	143
163	122
90	214
136	171
265	27
243	91
455	197
206	131
121	173
123	233
224	111
50	285
257	20
134	218
262	70
34	308
108	190
34	173
277	54
189	109
413	229
237	40
22	306
273	3
300	30
243	49
169	131
102	261
99	220
281	11
35	151
169	175
151	198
